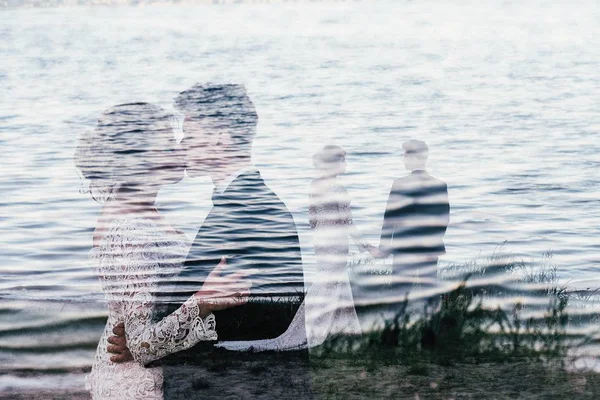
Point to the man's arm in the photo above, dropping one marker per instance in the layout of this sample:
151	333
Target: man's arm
446	205
387	229
392	219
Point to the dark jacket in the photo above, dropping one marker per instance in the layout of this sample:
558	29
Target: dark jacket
253	229
416	216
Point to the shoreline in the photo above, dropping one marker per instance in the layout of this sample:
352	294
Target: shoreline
339	378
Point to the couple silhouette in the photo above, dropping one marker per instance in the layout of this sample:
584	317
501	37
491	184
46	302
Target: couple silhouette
242	277
240	285
415	221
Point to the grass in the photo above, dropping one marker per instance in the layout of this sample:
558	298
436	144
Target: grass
457	343
455	346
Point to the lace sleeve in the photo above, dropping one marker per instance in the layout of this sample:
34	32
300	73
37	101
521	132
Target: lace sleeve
139	254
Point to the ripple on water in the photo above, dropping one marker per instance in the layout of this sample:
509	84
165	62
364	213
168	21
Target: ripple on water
512	132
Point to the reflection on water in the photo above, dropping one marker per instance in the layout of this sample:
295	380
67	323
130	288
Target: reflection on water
506	110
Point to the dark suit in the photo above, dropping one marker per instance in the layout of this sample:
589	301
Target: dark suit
415	221
253	228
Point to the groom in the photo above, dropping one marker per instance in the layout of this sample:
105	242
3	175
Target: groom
250	226
248	223
415	221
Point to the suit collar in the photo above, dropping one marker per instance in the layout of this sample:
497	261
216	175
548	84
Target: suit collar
221	188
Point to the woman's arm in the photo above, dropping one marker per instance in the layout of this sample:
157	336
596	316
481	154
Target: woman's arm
136	254
178	331
141	339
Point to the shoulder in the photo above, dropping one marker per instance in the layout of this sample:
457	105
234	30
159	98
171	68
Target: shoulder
142	238
136	226
401	183
403	179
340	188
438	182
320	186
131	230
268	197
272	210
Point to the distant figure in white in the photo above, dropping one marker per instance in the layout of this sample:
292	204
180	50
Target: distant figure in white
328	307
127	158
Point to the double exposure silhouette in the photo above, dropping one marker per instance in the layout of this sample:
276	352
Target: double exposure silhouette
127	159
249	226
415	221
246	256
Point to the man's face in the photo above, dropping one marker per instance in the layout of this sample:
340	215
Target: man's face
202	147
414	161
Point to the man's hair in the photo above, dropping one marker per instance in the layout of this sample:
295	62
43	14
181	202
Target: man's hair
417	147
224	106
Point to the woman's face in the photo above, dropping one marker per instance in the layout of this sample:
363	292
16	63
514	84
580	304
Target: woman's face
168	158
335	168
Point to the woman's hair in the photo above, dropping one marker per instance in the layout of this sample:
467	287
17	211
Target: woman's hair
328	157
123	149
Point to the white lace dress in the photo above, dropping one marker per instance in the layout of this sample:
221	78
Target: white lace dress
328	306
132	257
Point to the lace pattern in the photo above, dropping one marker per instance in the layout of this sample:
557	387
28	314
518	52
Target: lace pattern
330	215
132	258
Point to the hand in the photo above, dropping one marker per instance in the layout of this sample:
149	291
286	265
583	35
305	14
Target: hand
118	345
371	249
220	292
376	253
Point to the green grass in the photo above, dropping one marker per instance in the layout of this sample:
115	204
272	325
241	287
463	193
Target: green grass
458	340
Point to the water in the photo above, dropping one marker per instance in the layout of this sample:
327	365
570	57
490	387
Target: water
505	95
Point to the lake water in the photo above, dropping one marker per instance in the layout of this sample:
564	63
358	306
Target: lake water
506	96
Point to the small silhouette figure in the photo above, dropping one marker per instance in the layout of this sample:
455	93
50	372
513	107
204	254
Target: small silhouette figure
415	221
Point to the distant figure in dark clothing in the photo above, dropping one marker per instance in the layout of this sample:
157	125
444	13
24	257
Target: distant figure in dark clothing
415	221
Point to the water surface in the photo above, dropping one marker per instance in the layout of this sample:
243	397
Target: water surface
506	95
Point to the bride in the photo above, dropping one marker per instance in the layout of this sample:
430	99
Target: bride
328	307
127	158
